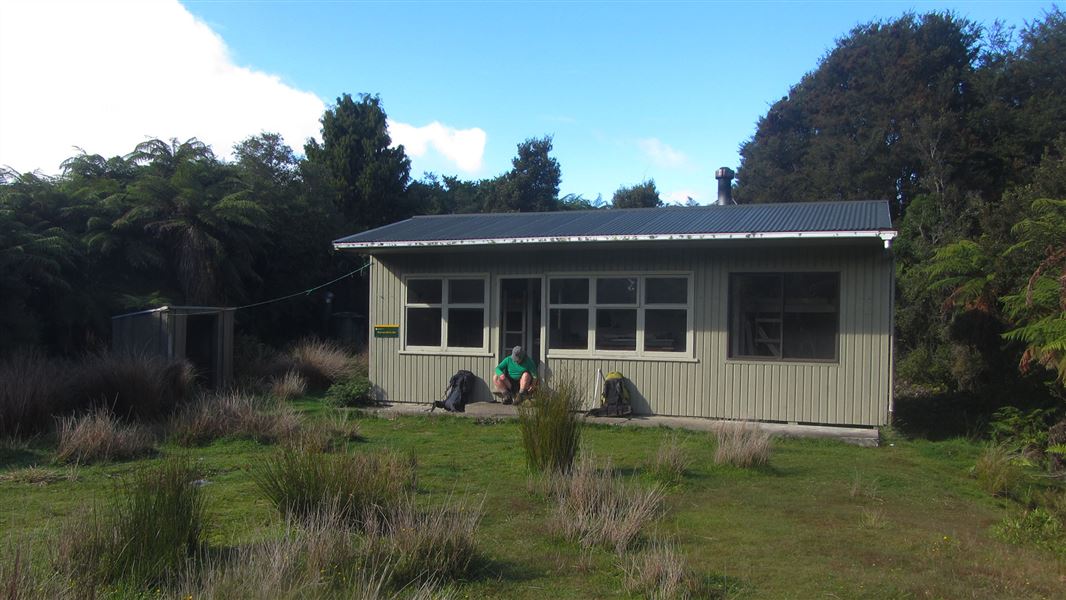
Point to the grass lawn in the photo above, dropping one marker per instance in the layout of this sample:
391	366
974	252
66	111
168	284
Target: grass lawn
823	520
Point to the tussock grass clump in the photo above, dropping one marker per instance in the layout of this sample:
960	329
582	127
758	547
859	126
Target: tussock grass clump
100	436
233	414
324	434
551	428
288	386
661	572
137	387
671	460
996	471
303	482
741	444
596	509
145	536
320	363
435	544
29	385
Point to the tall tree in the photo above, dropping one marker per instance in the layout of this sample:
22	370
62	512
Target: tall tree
366	176
881	117
532	184
641	195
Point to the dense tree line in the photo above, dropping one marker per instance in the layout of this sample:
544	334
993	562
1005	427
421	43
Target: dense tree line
171	223
963	129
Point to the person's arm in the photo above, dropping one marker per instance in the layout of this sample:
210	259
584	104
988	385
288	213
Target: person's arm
502	367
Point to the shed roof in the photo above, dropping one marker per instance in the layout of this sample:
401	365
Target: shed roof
864	218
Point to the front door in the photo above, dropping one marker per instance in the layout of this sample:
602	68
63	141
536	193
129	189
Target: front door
520	301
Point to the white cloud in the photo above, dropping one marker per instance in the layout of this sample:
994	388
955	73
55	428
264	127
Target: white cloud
106	75
682	196
661	154
464	147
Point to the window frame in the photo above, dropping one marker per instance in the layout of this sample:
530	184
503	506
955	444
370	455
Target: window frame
731	307
445	305
641	306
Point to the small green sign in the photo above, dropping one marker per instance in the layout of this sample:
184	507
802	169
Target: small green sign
387	331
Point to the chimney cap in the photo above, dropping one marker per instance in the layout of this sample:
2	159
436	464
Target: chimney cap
724	173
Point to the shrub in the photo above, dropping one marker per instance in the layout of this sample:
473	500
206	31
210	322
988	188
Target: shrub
996	471
594	508
28	393
353	390
320	363
671	461
137	387
288	386
99	436
661	571
439	543
145	536
741	444
551	428
302	482
1037	527
233	414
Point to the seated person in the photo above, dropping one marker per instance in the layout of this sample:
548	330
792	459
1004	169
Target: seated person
516	374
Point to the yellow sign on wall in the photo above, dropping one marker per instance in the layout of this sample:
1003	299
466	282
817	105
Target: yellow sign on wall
389	330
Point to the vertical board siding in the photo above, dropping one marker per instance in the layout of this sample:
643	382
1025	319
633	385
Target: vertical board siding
854	390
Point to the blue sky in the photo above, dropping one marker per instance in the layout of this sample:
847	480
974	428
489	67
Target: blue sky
629	90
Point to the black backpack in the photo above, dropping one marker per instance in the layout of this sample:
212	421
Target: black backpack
459	391
615	401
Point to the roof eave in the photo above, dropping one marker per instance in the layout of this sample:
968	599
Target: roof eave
886	236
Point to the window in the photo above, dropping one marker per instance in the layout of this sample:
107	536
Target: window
784	316
445	313
626	314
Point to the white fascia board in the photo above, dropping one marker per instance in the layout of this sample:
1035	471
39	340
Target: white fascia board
885	235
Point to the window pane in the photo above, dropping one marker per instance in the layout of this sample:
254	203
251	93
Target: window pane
568	329
755	327
665	330
423	291
423	327
616	329
569	291
810	315
466	291
810	335
466	327
666	290
617	290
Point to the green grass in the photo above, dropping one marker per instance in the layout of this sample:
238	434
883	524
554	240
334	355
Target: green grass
821	520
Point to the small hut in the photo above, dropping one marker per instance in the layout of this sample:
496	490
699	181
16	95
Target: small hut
203	335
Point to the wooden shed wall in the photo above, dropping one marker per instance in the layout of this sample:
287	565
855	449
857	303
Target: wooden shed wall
855	390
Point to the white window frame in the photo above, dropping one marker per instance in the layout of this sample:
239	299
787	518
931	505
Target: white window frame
444	307
641	307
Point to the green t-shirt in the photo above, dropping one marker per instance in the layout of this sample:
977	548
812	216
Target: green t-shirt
515	369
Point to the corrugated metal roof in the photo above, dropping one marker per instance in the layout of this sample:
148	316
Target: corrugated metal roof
745	220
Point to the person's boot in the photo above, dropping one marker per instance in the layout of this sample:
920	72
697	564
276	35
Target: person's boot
508	398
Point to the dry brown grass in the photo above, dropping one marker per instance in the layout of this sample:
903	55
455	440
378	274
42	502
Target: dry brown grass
288	386
672	460
661	572
320	363
233	414
742	444
100	436
28	393
324	434
34	475
425	545
596	509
